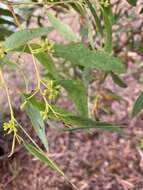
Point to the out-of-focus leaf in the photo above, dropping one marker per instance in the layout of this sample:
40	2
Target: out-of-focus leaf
132	2
20	38
5	12
4	21
110	95
138	106
141	11
63	28
78	54
5	61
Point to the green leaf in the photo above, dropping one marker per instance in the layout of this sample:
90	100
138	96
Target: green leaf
4	21
97	20
48	64
78	54
44	58
37	122
70	119
5	12
78	94
20	38
118	80
132	2
108	28
64	29
61	112
138	106
84	123
42	157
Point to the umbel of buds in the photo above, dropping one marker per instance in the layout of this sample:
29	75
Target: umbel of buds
104	3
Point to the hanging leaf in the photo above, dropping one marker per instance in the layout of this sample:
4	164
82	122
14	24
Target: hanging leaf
42	157
118	80
78	54
80	122
78	94
63	28
138	106
37	122
20	38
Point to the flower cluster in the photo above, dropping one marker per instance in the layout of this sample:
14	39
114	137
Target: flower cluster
10	127
104	3
45	46
51	91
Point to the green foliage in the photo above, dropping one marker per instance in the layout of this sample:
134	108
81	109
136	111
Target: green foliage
70	65
42	157
118	80
80	55
20	38
64	29
132	2
37	122
138	106
78	94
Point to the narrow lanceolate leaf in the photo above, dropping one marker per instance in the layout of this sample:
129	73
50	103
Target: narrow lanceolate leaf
138	106
108	28
82	123
20	38
78	54
48	64
118	80
37	122
42	157
78	94
97	20
63	28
